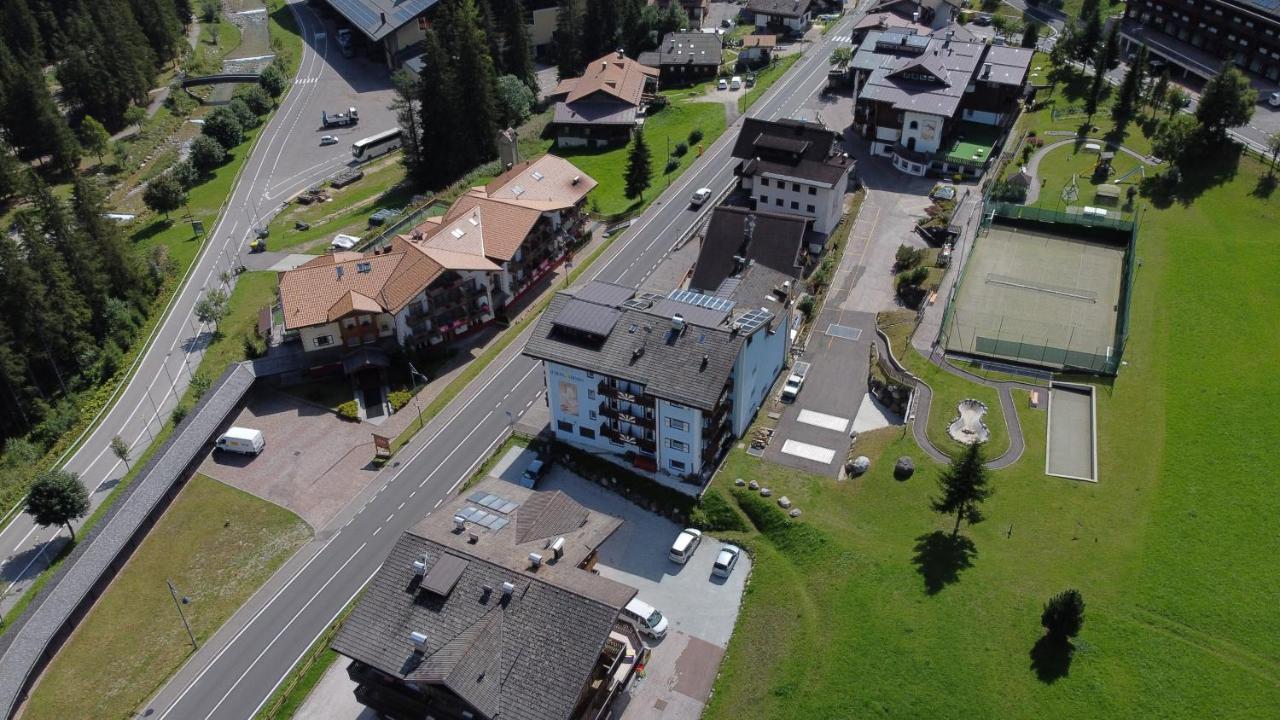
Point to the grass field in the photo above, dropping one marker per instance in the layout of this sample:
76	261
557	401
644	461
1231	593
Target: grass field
861	610
217	545
674	123
765	79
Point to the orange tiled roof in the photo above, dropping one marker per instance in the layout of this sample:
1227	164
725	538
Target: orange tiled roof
330	286
547	183
614	74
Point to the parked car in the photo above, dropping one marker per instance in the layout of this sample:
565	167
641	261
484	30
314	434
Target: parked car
1274	99
644	618
722	85
534	472
735	83
328	140
725	560
750	80
245	441
700	196
686	542
791	388
983	20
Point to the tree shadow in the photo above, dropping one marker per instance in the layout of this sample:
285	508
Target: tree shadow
1051	658
1213	165
940	557
1265	187
154	228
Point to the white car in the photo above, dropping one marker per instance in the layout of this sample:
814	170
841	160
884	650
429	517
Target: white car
735	83
722	85
700	196
791	388
328	140
725	560
686	542
644	618
1274	99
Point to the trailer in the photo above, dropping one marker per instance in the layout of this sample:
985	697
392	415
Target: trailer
339	119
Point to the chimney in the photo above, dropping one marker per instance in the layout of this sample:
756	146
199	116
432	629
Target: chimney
677	322
459	523
420	566
986	70
507	589
419	641
577	179
535	561
705	360
557	548
383	17
621	55
509	148
339	271
604	64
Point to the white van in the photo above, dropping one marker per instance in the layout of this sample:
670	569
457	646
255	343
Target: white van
686	542
245	441
644	618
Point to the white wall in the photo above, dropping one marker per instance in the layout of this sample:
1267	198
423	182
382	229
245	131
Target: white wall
572	397
757	368
308	335
780	193
927	131
691	436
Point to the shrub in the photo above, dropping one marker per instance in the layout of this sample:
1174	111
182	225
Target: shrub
695	136
800	541
255	98
253	345
273	80
715	514
906	258
398	399
806	306
1026	152
207	154
672	164
349	410
200	384
179	413
223	125
680	150
246	117
185	173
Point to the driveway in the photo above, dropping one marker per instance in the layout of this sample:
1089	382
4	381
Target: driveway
314	463
701	610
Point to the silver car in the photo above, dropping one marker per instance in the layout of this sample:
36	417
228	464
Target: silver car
725	560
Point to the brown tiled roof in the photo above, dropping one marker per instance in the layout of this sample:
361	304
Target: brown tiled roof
614	74
353	301
764	41
546	183
505	225
312	293
330	259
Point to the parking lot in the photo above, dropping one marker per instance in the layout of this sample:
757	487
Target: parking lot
701	609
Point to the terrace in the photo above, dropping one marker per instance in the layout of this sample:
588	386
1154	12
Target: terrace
971	144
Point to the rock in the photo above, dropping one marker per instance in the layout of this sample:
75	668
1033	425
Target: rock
795	512
739	482
784	502
860	464
904	468
753	485
765	492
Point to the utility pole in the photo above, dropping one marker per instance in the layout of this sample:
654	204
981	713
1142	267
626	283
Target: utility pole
178	604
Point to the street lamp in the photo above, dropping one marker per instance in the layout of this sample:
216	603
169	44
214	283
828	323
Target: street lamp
164	365
178	604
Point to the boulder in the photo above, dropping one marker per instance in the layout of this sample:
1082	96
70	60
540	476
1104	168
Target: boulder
739	482
795	512
904	468
784	502
860	465
765	492
753	485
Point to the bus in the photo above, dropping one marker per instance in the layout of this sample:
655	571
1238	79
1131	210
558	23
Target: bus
380	144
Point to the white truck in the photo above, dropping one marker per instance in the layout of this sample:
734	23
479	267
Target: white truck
245	441
791	388
339	119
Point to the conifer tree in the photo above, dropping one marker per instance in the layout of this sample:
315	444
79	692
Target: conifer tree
639	171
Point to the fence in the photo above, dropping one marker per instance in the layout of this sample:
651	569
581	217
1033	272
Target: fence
1009	211
1018	340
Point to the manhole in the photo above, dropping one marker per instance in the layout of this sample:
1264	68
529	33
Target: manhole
844	331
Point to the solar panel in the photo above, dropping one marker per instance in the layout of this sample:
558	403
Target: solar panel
587	317
466	513
700	300
754	319
497	503
603	293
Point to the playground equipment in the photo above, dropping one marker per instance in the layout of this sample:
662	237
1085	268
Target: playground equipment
1071	192
1141	170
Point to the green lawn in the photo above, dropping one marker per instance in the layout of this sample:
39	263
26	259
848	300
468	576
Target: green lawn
382	187
217	544
765	79
1174	549
672	123
1059	166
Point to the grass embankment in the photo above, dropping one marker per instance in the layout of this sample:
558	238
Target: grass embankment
217	545
673	123
765	80
879	613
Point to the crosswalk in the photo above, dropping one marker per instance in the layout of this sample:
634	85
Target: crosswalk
307	81
842	39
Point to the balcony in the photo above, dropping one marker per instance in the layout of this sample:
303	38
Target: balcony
646	446
622	416
612	392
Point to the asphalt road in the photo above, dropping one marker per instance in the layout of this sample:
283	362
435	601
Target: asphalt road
241	665
286	159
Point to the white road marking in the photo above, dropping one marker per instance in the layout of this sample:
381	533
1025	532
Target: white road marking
808	452
823	420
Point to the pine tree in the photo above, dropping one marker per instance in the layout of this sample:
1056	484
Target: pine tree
158	20
439	118
83	261
108	243
568	39
20	30
408	112
1130	89
639	171
1159	92
27	112
963	487
518	60
600	29
1085	39
12	174
632	30
474	83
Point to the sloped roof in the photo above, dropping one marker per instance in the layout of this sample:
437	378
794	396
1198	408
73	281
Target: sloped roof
779	8
614	75
775	241
368	15
505	225
790	147
685	48
311	293
547	183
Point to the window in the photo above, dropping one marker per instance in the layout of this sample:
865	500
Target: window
795	204
914	125
795	187
809	208
813	191
587	432
764	199
778	202
591	375
565	426
675	424
678	445
592	414
322	340
591	394
764	182
676	465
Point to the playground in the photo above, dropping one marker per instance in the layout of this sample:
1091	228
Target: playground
1034	294
1074	173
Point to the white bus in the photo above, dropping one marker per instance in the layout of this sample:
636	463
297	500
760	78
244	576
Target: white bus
380	144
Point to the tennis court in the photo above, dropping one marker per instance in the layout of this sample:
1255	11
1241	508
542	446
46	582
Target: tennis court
1035	297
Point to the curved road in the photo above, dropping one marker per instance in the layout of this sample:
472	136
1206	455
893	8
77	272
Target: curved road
242	664
286	159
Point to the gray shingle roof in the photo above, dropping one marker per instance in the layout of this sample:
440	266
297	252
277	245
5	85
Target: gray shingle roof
589	112
526	657
793	148
669	364
775	241
779	8
85	570
692	48
367	15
